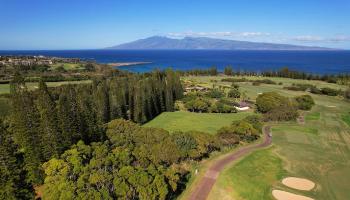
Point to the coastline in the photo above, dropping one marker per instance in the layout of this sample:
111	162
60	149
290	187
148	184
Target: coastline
121	64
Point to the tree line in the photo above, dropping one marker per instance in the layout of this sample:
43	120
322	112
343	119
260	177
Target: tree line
133	163
46	122
137	162
284	72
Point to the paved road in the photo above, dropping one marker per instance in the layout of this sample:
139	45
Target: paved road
205	185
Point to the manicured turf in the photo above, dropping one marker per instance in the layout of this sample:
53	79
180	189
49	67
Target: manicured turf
319	150
261	169
346	118
313	116
5	88
253	91
186	121
68	66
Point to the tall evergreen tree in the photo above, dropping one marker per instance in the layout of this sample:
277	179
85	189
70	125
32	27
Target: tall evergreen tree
25	127
49	128
117	98
69	116
92	131
12	177
102	101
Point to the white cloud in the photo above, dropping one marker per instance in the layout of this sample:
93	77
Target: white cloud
265	37
340	39
218	34
253	34
310	38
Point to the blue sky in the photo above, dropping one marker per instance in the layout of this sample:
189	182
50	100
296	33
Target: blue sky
89	24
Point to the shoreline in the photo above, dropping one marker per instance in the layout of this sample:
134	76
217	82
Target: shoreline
121	64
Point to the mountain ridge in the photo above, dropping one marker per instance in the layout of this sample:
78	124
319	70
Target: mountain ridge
206	43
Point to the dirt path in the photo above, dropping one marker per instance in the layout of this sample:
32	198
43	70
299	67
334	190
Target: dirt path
205	185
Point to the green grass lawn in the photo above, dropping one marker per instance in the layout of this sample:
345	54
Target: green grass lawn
207	80
5	88
346	118
253	91
262	169
319	150
186	121
313	116
68	66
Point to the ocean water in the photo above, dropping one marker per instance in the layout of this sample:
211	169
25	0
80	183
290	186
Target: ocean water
319	62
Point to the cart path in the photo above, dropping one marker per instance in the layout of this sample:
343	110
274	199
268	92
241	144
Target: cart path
204	186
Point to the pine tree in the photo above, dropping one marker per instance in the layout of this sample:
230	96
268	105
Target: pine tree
12	183
69	116
116	99
49	129
92	131
102	102
25	127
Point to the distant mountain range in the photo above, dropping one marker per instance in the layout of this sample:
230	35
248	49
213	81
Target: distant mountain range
158	42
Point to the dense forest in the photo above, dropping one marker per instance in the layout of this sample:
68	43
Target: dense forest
46	122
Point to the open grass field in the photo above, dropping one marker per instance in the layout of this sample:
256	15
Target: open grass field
68	66
253	91
5	88
187	121
346	118
266	169
319	150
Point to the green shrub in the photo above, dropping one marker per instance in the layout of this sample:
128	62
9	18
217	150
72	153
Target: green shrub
315	90
234	85
197	105
239	131
265	81
233	80
305	102
219	107
215	93
267	101
299	87
255	120
234	93
286	112
228	71
330	91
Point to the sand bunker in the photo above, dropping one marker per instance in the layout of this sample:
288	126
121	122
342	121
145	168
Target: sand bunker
282	195
298	183
329	106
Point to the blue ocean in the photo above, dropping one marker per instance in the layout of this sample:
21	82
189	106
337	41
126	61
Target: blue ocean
319	62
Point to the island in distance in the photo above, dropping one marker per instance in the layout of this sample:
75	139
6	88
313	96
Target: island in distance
192	43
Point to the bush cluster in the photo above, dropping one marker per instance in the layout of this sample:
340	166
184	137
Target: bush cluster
254	82
247	130
134	163
304	102
279	108
299	87
203	105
